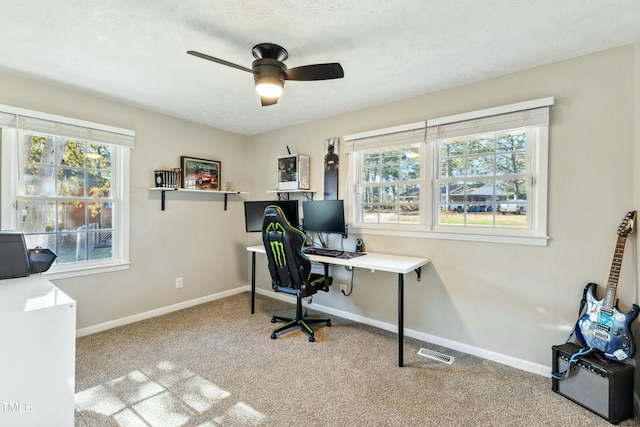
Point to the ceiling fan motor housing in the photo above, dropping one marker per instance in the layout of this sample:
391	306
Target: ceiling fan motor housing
271	51
268	71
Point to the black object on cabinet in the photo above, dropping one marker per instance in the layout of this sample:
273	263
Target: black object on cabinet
14	258
602	386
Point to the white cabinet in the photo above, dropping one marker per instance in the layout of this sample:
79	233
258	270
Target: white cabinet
37	355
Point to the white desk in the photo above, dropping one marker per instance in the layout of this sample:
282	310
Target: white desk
371	261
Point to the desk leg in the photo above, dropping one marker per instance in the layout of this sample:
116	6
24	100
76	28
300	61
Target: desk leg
253	282
400	319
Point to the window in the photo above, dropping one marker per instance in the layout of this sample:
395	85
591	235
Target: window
390	183
475	176
478	172
65	186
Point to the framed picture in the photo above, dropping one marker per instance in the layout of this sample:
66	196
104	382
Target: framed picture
200	174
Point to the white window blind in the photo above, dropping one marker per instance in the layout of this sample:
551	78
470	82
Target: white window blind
534	113
12	117
399	135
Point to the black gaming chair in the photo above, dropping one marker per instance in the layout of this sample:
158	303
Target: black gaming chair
291	269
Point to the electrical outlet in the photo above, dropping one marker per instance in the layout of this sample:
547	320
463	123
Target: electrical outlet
179	283
343	288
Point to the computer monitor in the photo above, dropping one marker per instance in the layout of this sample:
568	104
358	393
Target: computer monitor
324	216
254	213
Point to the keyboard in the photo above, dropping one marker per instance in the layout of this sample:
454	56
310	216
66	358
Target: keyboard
333	253
323	252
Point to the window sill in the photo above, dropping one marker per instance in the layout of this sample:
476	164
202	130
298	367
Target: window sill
469	237
60	273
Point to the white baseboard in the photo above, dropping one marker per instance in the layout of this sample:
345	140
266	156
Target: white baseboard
454	345
157	312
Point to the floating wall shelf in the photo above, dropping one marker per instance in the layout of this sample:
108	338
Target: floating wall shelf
163	190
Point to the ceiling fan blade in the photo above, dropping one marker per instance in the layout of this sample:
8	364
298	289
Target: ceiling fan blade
315	72
268	101
218	60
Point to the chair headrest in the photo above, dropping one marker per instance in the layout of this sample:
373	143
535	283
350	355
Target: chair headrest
275	220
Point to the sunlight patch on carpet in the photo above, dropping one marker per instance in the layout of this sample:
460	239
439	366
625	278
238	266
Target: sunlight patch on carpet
165	395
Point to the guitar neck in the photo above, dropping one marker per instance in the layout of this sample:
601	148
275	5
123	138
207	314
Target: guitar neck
614	274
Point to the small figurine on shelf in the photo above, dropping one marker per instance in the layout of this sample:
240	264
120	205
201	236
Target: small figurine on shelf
178	175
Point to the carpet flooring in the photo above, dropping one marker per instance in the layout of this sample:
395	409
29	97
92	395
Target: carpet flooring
215	365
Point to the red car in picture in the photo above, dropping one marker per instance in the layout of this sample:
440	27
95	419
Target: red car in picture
200	177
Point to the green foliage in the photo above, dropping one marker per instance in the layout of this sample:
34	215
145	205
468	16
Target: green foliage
487	155
61	167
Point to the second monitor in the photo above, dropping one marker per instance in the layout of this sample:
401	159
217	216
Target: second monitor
254	212
324	216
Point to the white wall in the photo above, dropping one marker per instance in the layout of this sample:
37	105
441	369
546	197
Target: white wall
193	238
513	300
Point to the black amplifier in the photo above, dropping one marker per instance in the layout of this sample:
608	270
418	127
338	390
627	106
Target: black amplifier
602	386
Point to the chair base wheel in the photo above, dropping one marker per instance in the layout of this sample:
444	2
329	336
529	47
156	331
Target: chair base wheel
301	323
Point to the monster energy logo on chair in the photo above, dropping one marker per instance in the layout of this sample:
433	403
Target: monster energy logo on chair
277	248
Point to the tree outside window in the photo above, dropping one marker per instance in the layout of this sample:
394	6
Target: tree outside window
66	197
479	174
391	185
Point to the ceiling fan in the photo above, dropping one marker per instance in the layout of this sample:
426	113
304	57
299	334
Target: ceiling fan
269	71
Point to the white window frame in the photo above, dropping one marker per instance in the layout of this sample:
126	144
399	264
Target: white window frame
397	136
121	141
355	145
534	234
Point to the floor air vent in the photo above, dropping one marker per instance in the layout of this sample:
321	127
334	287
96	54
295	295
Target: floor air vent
440	357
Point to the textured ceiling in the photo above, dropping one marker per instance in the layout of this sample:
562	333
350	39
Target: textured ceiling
133	51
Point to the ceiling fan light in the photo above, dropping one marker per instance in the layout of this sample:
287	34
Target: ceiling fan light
269	87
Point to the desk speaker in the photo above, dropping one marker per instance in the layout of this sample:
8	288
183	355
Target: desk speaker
602	386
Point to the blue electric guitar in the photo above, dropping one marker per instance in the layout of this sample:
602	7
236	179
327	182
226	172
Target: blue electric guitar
603	326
